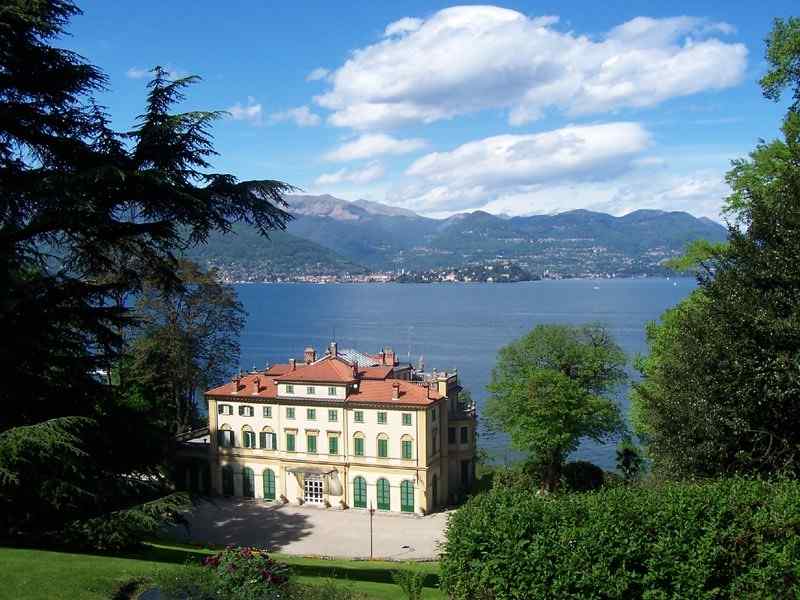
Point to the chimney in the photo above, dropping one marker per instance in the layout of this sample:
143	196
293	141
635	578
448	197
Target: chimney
395	391
292	364
355	370
256	385
388	357
333	350
310	355
236	381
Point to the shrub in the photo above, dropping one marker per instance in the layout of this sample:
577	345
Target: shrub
411	581
582	476
246	573
732	538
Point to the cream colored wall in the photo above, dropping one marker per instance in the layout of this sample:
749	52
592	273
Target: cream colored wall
320	391
395	478
393	428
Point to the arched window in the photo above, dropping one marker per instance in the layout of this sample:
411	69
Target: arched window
359	492
248	437
358	444
384	501
225	437
407	447
268	440
383	445
248	483
407	496
227	480
269	484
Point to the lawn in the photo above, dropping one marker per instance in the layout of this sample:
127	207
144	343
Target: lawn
28	574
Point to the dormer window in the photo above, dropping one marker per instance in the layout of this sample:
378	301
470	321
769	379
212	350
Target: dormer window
289	388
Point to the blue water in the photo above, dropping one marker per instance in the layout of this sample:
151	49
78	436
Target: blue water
452	325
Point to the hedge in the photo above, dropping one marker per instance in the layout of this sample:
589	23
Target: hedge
733	538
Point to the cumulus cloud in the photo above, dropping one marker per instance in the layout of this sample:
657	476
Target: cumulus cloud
250	112
374	144
369	173
469	58
300	116
317	74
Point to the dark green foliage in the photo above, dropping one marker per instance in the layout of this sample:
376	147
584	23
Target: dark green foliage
411	581
582	476
547	393
783	56
729	539
629	460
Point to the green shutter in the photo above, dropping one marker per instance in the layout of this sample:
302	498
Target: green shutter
407	450
290	442
359	446
407	496
333	445
269	484
227	480
262	439
359	492
383	448
248	483
384	502
311	441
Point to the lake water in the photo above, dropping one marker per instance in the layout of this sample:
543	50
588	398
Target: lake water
451	325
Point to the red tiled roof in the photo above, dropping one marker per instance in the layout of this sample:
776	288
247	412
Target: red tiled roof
267	387
327	370
381	372
381	391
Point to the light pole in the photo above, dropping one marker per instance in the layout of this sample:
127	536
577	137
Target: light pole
371	512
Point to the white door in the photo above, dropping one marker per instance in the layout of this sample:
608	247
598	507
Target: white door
312	489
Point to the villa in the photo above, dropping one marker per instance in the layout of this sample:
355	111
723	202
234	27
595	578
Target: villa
344	430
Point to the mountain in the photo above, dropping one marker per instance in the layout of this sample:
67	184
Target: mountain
333	236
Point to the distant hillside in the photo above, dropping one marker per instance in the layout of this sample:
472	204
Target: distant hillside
330	236
244	255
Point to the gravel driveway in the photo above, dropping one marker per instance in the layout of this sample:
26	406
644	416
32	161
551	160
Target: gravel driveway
312	531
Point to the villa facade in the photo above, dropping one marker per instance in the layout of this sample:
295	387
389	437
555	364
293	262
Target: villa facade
345	430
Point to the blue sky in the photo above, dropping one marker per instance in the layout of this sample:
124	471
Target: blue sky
515	108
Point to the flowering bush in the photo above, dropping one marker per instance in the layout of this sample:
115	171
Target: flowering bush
246	573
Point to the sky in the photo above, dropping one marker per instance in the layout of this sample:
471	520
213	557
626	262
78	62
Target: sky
515	108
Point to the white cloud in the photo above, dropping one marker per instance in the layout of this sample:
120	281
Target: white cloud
369	173
251	112
300	116
317	74
137	73
374	144
469	58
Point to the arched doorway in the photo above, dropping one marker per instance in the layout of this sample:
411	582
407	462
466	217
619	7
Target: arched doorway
248	483
269	484
407	496
359	492
384	499
227	480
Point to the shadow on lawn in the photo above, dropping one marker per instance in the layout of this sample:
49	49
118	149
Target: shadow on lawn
383	575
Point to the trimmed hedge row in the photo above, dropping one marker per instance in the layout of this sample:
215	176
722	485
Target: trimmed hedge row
733	538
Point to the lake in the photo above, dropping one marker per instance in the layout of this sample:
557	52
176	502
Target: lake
458	325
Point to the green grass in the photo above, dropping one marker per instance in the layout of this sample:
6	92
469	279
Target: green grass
27	574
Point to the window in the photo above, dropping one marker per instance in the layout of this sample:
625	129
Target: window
333	415
248	439
407	449
333	445
360	492
311	414
451	435
290	442
381	418
267	412
358	446
383	448
289	388
225	409
464	435
331	391
269	484
267	440
248	483
290	412
407	496
225	439
384	502
246	411
310	390
311	444
406	418
358	416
